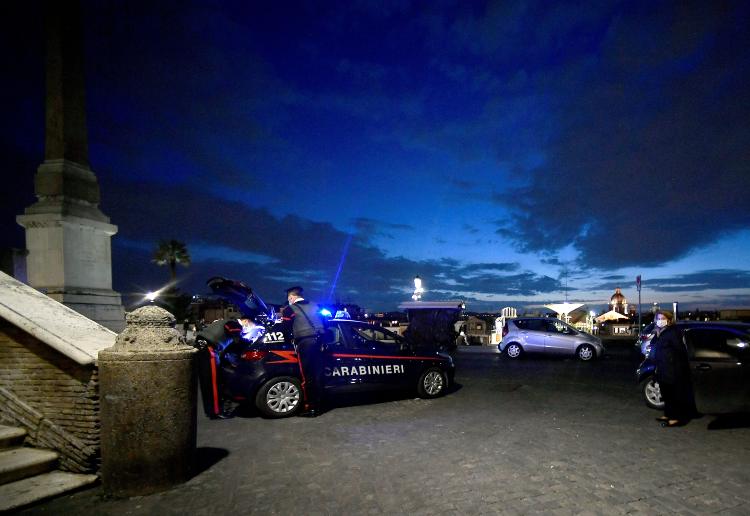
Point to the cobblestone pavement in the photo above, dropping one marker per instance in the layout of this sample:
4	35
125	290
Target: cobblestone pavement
550	436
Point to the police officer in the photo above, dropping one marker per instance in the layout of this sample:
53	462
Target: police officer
213	342
302	321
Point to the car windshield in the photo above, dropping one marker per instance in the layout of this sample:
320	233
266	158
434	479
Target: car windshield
376	334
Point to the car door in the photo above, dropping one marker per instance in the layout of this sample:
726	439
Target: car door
559	338
533	335
381	357
720	369
340	367
353	364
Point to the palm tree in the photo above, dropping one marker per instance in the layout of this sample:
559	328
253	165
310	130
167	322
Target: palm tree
171	252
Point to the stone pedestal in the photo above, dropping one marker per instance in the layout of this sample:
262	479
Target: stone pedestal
148	406
69	258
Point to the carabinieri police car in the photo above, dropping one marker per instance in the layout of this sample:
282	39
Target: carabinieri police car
356	357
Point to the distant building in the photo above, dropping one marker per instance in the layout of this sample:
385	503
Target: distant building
496	335
477	331
735	314
207	309
394	321
618	303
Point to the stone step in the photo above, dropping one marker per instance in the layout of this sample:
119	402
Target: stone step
40	487
18	463
11	436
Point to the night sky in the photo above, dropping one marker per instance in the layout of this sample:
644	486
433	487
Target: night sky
509	153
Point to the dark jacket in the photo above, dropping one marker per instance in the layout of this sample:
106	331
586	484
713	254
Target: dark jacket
302	319
670	356
218	332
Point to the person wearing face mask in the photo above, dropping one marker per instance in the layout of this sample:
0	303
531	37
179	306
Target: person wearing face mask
672	373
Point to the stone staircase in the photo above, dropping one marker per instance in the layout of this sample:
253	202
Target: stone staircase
28	475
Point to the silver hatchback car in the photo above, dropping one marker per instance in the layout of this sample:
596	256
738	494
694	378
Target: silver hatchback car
545	335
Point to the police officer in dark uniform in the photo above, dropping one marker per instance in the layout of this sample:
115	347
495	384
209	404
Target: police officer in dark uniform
213	342
303	323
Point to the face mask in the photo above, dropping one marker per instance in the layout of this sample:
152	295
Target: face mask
661	323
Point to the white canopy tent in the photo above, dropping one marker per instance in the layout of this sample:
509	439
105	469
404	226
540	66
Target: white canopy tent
612	316
563	309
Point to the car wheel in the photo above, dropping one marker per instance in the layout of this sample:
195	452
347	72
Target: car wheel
432	383
280	397
586	352
514	350
652	393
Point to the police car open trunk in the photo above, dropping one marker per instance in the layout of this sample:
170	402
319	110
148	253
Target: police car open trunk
240	295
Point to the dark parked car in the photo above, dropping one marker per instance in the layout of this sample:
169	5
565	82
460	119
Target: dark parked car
357	358
719	355
644	341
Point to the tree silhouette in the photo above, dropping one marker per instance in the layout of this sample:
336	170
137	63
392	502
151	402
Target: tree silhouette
171	252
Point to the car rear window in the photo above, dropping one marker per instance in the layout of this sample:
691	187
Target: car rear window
531	324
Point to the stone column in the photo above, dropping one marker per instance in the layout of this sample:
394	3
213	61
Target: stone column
67	236
148	406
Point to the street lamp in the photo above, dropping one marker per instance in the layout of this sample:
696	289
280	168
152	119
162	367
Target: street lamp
590	321
151	296
418	290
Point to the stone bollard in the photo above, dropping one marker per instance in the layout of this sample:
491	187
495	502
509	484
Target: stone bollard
148	406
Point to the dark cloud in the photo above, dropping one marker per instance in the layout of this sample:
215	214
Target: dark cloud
370	228
271	252
523	284
650	161
718	279
617	128
503	267
701	280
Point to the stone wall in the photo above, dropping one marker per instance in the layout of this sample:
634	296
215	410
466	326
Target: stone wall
53	397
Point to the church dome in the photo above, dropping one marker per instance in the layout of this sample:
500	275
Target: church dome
617	297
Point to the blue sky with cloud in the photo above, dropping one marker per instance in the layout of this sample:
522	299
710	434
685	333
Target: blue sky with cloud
500	150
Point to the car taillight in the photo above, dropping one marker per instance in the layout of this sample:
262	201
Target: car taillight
505	329
253	355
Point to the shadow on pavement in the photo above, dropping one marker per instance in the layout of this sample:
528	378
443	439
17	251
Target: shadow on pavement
205	457
246	410
729	421
354	399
